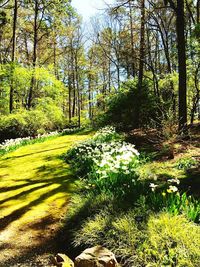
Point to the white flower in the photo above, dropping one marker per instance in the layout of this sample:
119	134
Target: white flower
153	186
172	189
174	181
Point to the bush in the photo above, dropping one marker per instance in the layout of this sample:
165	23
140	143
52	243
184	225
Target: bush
108	164
29	123
154	240
123	107
171	241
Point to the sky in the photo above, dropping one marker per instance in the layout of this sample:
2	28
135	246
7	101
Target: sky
88	8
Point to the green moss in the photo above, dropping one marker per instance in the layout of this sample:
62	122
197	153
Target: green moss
35	182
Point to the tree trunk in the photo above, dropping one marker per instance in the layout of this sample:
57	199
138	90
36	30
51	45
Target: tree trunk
132	41
181	42
13	55
30	96
142	32
141	63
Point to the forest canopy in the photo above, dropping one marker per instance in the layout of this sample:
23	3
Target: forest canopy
137	66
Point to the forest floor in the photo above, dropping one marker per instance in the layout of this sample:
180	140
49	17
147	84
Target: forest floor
35	186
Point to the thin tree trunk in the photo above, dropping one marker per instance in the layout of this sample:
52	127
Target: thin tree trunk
30	96
132	41
13	54
180	26
142	32
141	63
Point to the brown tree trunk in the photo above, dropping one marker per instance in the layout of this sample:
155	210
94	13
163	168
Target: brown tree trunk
181	43
132	41
142	33
30	96
13	54
141	63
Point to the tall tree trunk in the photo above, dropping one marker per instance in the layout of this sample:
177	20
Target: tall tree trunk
69	97
142	43
132	41
30	96
78	90
141	63
90	96
13	55
181	42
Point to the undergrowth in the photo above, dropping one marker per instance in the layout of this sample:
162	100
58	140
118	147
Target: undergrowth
145	221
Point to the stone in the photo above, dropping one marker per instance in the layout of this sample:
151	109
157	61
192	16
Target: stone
97	256
63	260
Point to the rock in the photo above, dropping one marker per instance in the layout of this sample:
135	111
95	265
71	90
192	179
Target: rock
96	257
63	260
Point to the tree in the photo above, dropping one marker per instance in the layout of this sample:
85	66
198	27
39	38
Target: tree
181	45
13	52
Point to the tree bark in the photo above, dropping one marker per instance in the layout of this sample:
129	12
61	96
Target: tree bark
142	33
181	43
13	54
30	96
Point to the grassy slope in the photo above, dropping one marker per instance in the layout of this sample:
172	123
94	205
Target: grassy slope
35	184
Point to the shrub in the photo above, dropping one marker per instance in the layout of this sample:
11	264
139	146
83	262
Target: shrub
123	107
157	240
107	134
29	123
186	163
171	241
109	165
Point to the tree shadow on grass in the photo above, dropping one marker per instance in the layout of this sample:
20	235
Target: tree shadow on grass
34	153
44	176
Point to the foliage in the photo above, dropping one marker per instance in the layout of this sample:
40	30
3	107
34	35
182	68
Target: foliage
138	236
30	123
107	163
186	163
122	107
106	134
117	208
175	203
49	89
12	144
171	241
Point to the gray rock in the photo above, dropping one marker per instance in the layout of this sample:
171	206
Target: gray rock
96	257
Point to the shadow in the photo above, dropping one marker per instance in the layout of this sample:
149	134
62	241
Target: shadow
5	246
15	215
23	193
44	176
191	183
61	177
43	223
38	152
12	188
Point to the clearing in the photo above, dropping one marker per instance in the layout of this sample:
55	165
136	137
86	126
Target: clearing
35	184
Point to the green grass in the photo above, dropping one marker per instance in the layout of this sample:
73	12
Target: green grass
137	224
35	183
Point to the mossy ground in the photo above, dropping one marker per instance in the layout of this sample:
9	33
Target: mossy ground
35	184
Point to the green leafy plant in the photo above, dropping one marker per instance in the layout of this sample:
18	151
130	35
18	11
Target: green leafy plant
186	163
171	241
108	163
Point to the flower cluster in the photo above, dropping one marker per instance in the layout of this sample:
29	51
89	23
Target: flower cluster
115	157
171	188
45	135
13	142
106	134
7	144
106	163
